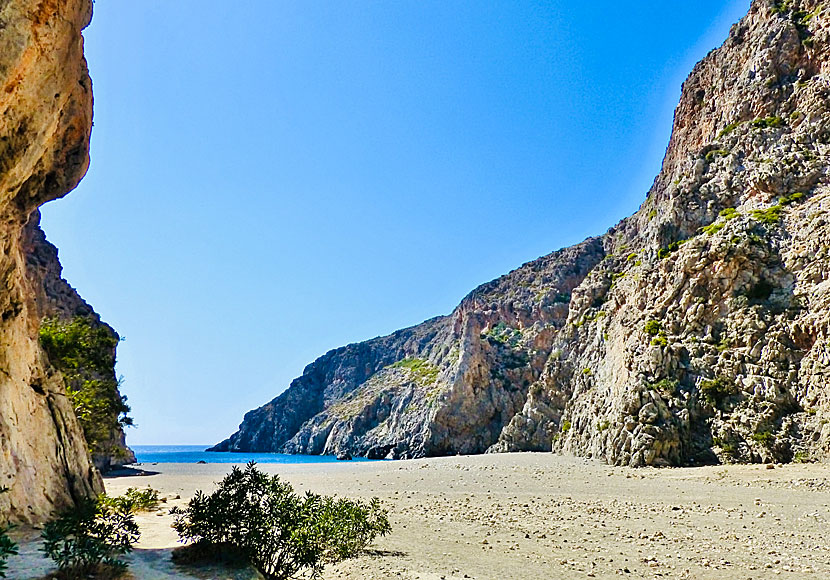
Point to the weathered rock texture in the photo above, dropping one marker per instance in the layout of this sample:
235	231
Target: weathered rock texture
694	331
46	104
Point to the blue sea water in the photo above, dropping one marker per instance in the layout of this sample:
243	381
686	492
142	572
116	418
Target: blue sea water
196	453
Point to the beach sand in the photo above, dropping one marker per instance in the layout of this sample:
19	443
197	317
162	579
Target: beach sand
532	516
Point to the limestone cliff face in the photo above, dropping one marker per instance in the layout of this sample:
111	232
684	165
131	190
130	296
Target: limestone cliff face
46	104
694	331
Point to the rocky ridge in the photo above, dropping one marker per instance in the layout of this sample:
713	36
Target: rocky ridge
46	104
695	331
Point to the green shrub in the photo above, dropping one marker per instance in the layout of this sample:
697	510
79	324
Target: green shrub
566	426
792	198
713	228
503	334
8	547
672	247
728	129
88	540
279	532
667	386
715	153
729	213
717	390
84	351
801	457
764	438
134	500
768	122
769	216
653	327
423	371
661	341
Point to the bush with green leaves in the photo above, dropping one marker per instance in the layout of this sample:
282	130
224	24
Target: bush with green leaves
279	532
90	538
84	351
8	547
134	500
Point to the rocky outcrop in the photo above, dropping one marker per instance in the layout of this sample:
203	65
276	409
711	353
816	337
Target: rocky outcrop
46	104
694	331
56	299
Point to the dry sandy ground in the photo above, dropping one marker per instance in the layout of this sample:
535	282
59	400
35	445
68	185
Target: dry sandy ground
529	516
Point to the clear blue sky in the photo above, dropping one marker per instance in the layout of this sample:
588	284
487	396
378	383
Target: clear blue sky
274	179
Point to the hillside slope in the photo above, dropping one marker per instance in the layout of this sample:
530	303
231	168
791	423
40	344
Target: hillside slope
694	331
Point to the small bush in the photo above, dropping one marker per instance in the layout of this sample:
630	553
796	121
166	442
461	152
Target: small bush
801	457
424	372
715	153
566	426
713	228
90	538
728	129
768	122
282	534
769	216
562	298
792	198
716	391
8	547
653	327
729	213
668	250
667	386
661	341
134	500
765	438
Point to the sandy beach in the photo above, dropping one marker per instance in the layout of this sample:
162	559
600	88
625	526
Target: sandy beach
532	516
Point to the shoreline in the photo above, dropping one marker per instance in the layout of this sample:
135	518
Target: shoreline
537	515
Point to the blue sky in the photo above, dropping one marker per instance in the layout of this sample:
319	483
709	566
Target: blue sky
274	179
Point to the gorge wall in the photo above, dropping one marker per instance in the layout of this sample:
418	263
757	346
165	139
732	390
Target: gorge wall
694	331
46	104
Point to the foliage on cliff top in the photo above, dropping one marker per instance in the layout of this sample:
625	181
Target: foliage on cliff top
282	534
83	350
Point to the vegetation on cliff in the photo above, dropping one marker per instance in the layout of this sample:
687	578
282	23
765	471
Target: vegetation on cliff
83	350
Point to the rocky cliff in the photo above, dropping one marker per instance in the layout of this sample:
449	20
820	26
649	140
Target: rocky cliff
694	331
46	104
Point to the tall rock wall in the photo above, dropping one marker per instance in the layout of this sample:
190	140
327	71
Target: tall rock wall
46	105
694	331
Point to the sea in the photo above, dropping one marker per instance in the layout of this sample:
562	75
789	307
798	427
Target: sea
197	453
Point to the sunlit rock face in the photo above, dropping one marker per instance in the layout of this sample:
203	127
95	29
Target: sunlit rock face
694	331
46	103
